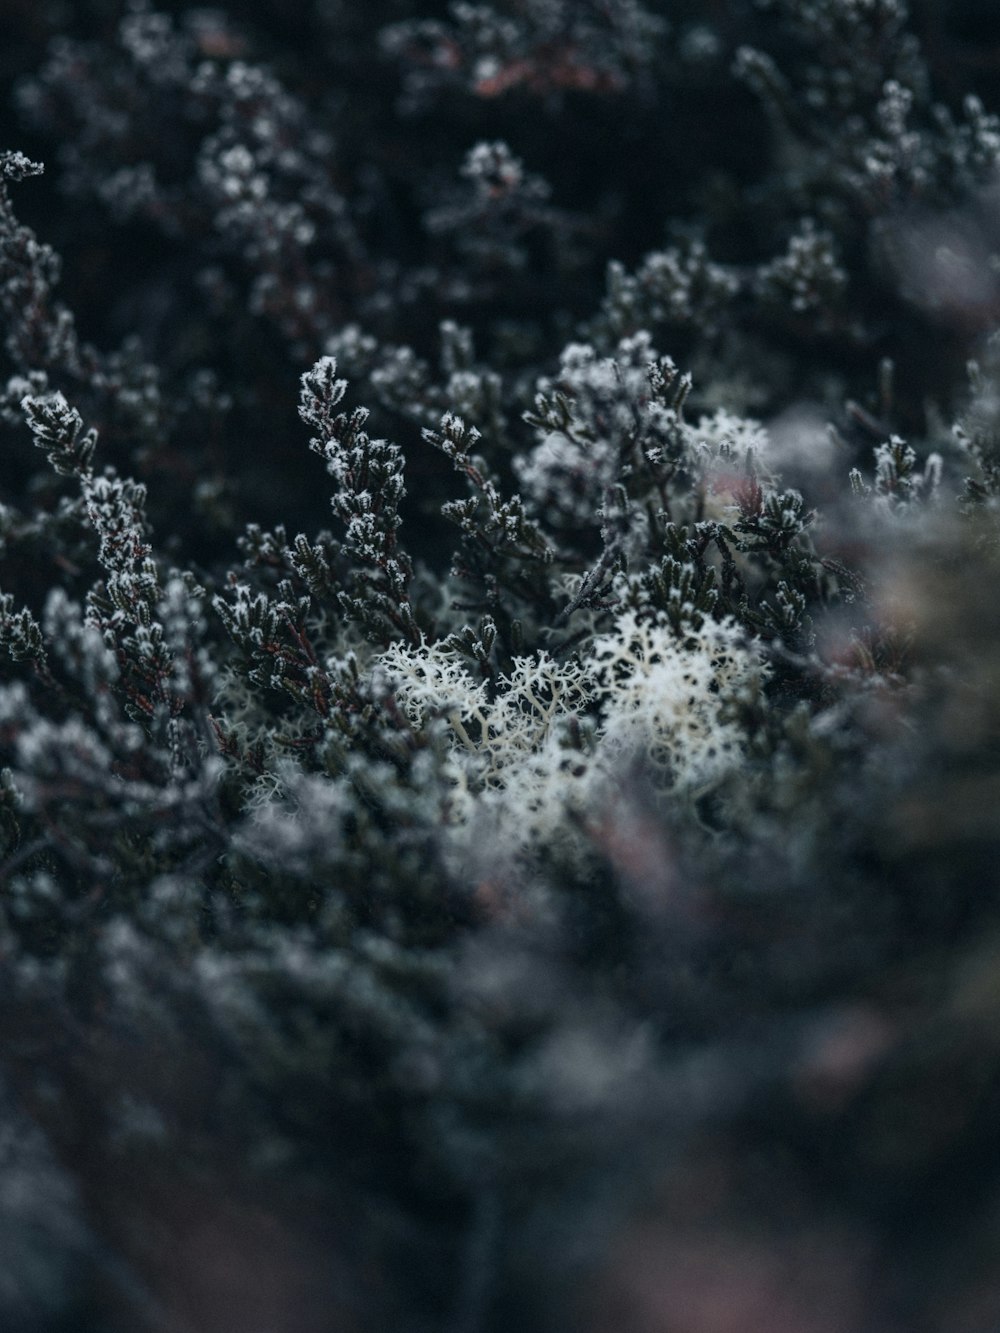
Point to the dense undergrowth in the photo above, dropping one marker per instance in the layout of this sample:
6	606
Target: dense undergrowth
499	531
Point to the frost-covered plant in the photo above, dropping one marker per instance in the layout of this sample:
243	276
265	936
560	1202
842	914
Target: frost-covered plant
512	846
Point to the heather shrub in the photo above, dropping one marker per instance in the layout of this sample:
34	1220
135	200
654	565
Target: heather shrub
498	705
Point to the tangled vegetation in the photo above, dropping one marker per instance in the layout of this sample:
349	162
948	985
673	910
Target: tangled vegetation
499	706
